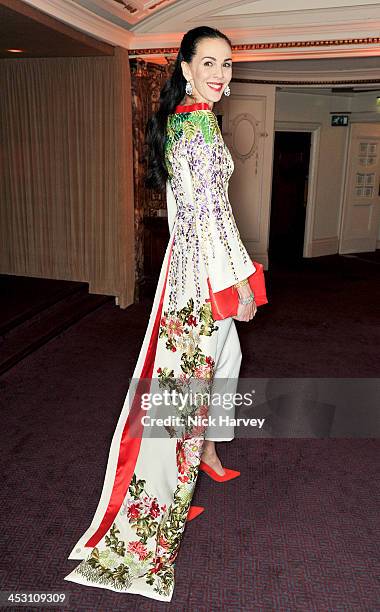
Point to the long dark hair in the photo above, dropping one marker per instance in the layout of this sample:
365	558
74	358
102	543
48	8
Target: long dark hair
171	94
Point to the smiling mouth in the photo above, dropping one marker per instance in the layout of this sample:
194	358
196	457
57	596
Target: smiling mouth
215	86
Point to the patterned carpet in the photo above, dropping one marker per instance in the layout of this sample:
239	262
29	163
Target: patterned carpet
298	531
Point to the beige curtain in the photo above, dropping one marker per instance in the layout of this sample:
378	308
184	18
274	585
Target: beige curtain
67	207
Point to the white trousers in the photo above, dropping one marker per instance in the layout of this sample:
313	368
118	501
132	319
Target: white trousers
226	376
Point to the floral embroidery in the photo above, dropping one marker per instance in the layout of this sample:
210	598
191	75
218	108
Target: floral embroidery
206	238
139	549
182	330
117	564
159	527
188	454
142	510
179	327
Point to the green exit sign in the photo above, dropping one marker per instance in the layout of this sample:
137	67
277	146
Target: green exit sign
339	119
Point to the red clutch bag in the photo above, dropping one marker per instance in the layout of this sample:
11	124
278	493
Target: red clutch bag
225	303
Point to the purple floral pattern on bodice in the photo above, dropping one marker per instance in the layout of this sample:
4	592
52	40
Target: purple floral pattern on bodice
207	242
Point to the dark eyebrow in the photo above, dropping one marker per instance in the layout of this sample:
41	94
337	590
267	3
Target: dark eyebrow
214	58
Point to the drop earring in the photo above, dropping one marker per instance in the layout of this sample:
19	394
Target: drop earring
188	88
227	91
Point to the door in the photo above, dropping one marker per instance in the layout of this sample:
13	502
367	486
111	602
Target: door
361	203
248	126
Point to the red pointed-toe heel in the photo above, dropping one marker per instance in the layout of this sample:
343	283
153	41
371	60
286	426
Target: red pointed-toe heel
194	511
229	474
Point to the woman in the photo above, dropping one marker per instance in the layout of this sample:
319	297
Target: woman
134	538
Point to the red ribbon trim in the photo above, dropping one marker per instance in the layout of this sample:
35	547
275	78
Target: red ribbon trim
187	108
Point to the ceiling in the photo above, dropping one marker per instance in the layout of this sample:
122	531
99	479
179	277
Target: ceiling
40	35
290	43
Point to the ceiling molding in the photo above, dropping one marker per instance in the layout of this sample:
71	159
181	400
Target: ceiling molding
275	50
317	71
84	20
308	82
326	17
184	14
306	41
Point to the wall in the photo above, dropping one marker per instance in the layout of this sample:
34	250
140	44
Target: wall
305	107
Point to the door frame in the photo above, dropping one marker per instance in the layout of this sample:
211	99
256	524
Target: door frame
315	130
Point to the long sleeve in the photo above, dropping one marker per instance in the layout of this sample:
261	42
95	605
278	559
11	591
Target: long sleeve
224	254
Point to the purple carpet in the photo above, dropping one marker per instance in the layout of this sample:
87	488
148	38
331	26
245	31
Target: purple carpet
298	531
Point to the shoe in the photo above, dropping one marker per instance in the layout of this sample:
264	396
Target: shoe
229	474
194	511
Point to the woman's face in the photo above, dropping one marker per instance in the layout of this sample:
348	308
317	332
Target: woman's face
210	70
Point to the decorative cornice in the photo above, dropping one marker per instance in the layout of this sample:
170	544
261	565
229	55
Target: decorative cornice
373	40
87	21
306	82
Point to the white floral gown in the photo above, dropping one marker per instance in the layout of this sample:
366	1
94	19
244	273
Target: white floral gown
134	537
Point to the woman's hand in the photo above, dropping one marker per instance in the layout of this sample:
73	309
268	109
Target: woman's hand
245	312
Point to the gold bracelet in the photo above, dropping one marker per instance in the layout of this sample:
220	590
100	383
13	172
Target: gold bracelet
241	283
